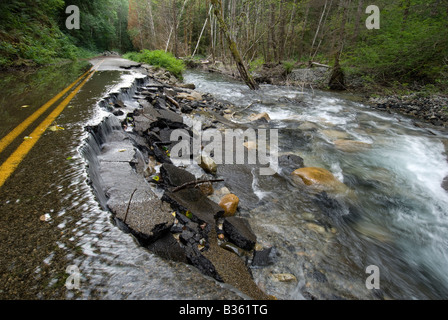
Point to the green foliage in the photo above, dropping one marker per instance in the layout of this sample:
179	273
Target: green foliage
409	47
288	65
256	64
134	56
103	25
158	58
34	32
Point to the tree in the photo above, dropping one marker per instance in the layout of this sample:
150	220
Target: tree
217	5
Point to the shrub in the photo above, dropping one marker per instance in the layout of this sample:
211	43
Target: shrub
158	58
288	65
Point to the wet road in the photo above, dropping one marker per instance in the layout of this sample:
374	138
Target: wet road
49	218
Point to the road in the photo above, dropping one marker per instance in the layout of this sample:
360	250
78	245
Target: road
49	217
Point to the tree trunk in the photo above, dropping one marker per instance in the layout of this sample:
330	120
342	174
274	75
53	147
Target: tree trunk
358	20
337	81
233	47
175	26
202	31
337	76
302	38
318	26
151	19
272	49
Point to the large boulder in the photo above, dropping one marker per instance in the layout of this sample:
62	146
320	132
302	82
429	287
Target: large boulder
319	178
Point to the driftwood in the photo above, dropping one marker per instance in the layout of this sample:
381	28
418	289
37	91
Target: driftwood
310	64
320	64
195	183
172	101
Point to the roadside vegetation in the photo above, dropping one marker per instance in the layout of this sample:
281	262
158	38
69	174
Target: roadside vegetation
33	33
158	58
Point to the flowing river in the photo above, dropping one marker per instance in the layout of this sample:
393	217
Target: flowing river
396	214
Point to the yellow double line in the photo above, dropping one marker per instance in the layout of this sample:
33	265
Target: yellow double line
11	164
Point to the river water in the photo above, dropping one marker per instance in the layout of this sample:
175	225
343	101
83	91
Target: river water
395	216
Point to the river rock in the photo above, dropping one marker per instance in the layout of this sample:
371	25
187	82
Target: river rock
320	178
218	194
314	175
316	228
263	257
230	204
335	134
169	92
192	96
119	104
208	164
223	191
187	86
290	162
264	116
308	126
284	277
239	232
206	188
351	145
186	108
445	183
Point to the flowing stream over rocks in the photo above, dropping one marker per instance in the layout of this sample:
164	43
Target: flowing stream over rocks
393	215
383	203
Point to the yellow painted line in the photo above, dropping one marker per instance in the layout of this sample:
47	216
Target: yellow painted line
11	164
6	141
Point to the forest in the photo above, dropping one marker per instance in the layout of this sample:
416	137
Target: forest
33	32
409	48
